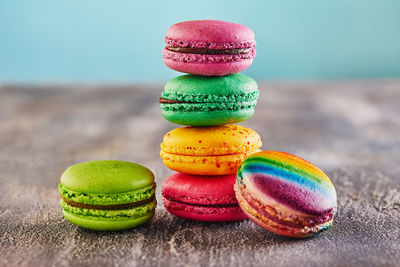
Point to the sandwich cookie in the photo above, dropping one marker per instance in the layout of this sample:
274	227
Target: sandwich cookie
215	150
107	195
209	101
285	194
209	47
202	198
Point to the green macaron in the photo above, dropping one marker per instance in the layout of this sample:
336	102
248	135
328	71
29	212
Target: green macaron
209	100
107	195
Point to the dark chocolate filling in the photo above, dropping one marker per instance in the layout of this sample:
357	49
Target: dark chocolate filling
206	51
230	205
109	207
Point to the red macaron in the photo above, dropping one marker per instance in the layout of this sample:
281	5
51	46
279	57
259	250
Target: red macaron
202	198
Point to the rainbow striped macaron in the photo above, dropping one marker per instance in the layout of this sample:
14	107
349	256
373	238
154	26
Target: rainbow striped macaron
285	194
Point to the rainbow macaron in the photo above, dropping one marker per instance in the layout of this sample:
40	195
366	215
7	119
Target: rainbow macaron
215	150
107	195
209	47
202	198
209	101
285	194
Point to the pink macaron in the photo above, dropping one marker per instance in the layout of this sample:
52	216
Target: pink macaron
209	47
202	198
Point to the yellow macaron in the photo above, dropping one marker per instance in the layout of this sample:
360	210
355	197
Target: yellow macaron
208	150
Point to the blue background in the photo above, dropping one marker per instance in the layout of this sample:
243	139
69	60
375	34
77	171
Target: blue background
121	41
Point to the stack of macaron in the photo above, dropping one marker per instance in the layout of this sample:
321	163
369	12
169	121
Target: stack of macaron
222	175
208	150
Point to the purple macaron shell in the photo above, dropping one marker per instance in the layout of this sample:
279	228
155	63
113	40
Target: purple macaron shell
292	195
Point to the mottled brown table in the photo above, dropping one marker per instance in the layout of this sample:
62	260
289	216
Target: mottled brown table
349	129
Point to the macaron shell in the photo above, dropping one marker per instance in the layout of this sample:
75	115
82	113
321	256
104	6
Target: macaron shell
293	196
106	225
205	214
211	141
207	58
210	89
211	31
107	176
205	165
208	67
210	118
107	199
290	181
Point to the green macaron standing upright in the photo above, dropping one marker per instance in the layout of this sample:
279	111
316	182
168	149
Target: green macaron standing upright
209	101
107	195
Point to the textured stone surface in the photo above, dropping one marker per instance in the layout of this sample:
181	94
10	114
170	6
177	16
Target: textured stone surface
351	130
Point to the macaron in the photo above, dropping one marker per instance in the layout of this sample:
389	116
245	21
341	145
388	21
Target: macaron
209	101
209	47
107	195
285	194
217	150
202	198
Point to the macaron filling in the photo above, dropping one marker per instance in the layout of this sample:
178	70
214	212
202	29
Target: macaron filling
128	213
211	159
207	58
207	51
250	146
171	42
216	205
109	207
107	199
193	102
200	209
203	107
209	98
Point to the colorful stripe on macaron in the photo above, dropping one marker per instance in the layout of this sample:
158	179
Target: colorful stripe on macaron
296	178
288	194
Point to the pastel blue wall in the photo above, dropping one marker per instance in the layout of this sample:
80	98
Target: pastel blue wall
121	40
